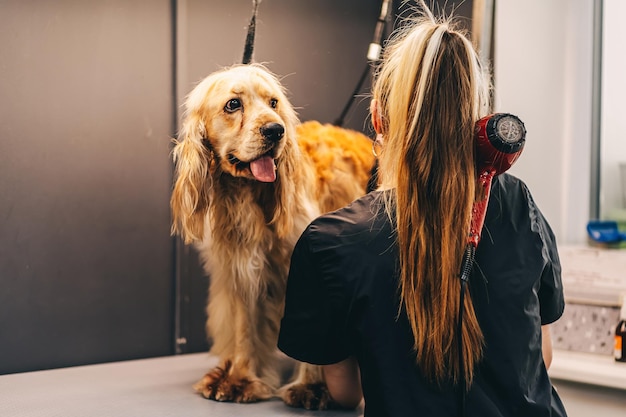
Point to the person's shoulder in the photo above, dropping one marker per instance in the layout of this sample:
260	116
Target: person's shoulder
512	199
507	188
509	182
359	213
356	219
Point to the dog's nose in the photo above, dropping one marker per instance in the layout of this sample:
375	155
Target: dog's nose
273	131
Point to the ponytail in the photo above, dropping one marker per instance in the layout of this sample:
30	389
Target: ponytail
431	90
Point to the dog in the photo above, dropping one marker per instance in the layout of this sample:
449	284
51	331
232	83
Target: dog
249	178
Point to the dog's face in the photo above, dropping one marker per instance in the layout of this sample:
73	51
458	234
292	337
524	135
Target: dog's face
245	117
238	123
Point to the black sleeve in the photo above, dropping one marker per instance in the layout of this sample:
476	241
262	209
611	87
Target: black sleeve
313	326
551	299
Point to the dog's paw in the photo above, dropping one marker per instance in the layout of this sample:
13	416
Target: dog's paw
310	396
221	384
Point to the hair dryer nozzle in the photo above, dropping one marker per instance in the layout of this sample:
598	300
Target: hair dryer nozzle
500	139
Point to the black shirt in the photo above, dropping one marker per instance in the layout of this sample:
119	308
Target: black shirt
342	300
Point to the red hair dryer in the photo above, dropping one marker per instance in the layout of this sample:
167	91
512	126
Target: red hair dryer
500	139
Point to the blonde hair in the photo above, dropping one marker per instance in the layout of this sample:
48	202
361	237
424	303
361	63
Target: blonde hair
430	91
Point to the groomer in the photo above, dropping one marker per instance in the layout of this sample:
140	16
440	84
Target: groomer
374	291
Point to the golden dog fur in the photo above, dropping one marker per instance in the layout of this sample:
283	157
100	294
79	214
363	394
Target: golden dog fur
245	221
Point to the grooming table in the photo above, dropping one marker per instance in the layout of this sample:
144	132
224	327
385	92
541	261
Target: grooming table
158	387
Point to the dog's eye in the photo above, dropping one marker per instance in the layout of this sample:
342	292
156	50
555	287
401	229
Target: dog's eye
233	105
273	103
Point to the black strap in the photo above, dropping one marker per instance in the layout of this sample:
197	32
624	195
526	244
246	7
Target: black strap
249	45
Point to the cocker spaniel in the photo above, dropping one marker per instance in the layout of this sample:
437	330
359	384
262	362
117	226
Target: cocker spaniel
249	178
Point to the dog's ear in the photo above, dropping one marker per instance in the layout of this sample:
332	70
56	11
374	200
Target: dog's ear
293	180
190	197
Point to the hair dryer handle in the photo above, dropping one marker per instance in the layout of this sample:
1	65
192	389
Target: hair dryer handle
479	209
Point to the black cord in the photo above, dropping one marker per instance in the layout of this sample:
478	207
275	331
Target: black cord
373	56
466	271
346	108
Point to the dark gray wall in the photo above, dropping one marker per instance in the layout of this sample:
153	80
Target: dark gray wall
86	117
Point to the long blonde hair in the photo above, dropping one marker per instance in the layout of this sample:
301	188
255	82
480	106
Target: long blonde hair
430	91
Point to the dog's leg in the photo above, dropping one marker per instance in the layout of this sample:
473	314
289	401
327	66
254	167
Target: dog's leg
308	390
237	377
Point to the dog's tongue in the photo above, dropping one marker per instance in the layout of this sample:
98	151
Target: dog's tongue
264	169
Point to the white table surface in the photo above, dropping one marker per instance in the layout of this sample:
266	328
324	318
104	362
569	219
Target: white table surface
159	387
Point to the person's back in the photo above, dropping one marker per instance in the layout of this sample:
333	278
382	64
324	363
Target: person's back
515	287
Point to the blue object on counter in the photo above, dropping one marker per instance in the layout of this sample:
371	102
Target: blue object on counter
605	231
